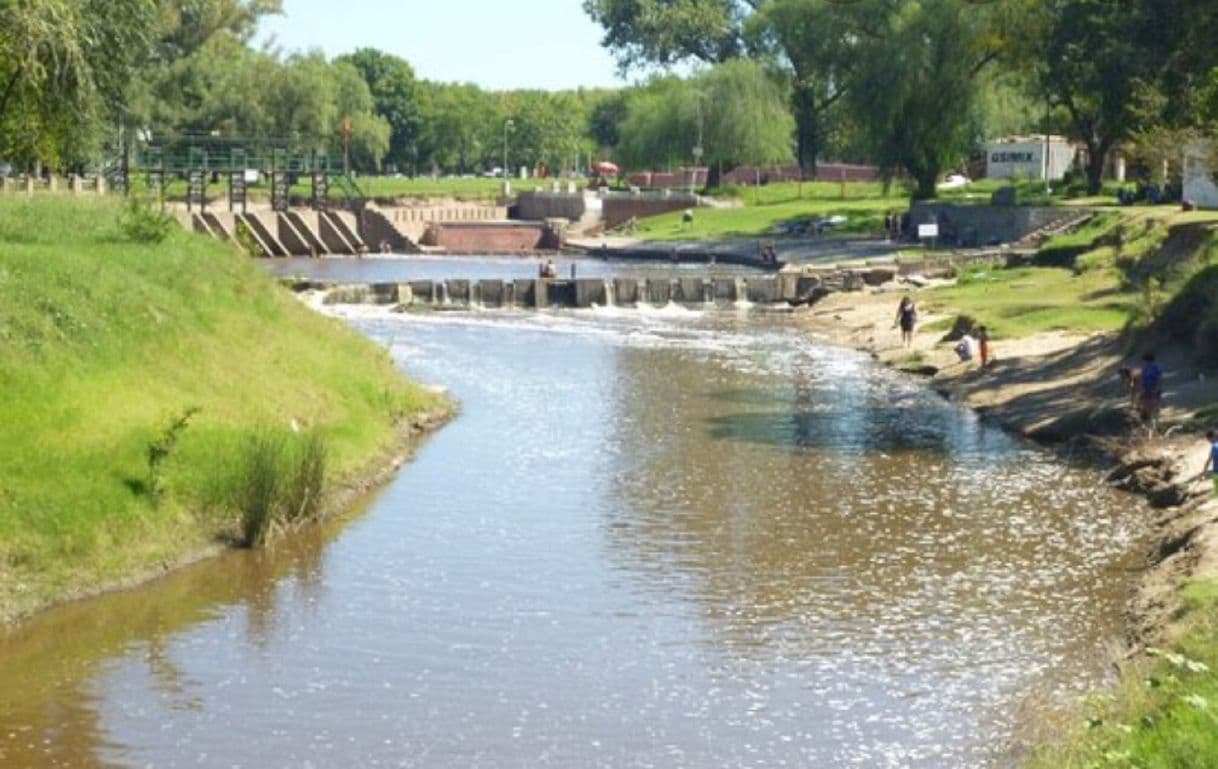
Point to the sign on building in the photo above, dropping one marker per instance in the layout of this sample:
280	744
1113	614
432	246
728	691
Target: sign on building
1024	158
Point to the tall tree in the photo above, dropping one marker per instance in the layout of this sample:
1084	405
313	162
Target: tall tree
797	34
735	112
1088	64
814	40
916	81
63	65
395	93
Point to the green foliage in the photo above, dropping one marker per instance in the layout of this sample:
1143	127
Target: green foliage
280	483
100	338
394	98
141	221
160	449
737	112
1163	714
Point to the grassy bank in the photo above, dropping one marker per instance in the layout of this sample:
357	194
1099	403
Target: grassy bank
1163	713
1121	270
105	344
1153	274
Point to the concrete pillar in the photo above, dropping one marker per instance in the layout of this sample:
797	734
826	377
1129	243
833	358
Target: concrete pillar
491	292
383	293
53	183
509	294
659	291
526	292
788	283
626	291
458	291
78	184
405	293
29	184
5	183
589	291
762	290
101	185
725	289
690	291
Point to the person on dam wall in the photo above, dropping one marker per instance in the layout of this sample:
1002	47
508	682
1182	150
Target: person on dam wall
548	270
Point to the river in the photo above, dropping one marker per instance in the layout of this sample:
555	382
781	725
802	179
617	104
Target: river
651	538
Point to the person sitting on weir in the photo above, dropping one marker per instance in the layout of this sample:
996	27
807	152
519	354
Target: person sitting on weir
547	270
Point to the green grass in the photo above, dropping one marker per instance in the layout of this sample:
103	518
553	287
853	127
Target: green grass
863	205
1026	300
1164	712
103	343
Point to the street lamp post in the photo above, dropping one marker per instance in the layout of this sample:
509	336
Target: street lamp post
508	125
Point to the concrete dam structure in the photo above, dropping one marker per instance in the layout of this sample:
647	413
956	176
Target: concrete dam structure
531	293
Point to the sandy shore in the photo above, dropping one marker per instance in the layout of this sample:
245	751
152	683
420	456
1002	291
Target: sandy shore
1063	390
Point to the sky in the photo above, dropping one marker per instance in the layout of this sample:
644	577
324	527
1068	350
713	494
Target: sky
498	44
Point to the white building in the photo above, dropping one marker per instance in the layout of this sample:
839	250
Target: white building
1199	172
1024	157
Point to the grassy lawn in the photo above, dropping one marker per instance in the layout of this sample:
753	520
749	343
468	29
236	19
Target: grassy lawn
103	343
1026	300
764	208
1164	712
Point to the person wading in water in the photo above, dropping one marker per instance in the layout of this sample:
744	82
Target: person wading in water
907	318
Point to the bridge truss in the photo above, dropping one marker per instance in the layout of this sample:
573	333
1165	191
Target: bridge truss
237	163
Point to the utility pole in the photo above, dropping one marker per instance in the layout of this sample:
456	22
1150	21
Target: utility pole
347	145
508	125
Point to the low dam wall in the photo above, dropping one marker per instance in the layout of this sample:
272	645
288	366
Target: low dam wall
789	289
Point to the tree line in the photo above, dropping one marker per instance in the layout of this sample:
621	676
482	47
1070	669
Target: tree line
913	86
908	83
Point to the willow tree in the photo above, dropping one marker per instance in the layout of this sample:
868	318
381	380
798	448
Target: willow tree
63	67
735	112
787	33
917	77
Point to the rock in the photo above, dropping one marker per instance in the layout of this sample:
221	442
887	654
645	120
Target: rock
878	276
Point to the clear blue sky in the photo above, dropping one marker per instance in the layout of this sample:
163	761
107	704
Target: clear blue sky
498	44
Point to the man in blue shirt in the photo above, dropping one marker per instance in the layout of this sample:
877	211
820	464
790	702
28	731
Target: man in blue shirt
1151	391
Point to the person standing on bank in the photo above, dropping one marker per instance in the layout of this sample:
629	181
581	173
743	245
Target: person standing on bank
983	345
1151	393
907	318
1211	464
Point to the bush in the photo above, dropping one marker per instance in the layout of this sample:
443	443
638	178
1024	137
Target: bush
281	482
307	483
142	222
260	486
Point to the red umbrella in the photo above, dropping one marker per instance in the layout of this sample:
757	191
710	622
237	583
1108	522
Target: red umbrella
605	168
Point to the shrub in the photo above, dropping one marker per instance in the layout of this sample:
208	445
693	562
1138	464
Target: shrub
306	485
281	482
142	222
161	449
260	485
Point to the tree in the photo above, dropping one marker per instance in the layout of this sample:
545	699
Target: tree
735	110
458	124
747	121
1090	66
63	65
797	35
813	38
914	88
395	95
666	32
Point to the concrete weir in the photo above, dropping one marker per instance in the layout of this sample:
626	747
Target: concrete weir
580	293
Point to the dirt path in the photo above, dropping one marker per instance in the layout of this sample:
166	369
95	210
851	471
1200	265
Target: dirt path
1063	390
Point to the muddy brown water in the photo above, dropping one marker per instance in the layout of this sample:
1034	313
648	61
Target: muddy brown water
658	538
